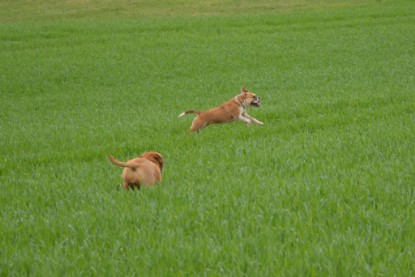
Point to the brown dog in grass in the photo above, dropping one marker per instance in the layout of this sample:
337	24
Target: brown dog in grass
233	110
144	170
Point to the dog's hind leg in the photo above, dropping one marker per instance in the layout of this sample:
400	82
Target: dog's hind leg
125	185
197	124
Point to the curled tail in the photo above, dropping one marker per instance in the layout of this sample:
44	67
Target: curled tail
189	111
123	164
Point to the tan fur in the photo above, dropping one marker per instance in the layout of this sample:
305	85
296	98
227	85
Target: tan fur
233	110
144	170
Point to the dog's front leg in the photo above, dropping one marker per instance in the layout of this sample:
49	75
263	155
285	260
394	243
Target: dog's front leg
244	119
252	119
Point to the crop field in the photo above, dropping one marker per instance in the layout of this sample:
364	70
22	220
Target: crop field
326	187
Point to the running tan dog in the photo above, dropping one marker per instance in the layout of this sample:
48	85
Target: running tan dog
144	170
233	110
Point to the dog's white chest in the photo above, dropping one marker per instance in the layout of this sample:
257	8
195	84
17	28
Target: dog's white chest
242	110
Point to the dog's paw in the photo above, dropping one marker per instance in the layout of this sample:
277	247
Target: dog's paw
257	122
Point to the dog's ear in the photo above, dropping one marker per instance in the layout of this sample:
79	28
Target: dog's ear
159	160
155	157
244	90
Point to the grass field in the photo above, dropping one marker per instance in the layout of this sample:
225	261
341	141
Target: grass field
325	188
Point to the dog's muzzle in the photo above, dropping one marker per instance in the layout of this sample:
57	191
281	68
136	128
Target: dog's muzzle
256	102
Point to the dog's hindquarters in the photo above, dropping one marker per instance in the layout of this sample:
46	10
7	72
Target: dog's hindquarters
144	170
197	123
128	166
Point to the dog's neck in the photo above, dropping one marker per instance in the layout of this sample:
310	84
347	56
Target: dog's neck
240	102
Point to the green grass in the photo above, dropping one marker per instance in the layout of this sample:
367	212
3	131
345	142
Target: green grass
46	10
325	188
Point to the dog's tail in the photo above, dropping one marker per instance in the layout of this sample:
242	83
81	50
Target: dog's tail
189	111
123	164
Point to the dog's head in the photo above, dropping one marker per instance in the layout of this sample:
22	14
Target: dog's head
155	157
248	99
